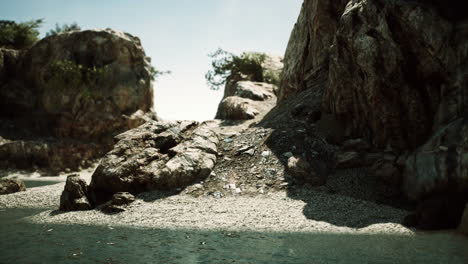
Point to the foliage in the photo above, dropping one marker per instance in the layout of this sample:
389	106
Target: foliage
19	35
225	64
63	28
155	73
68	74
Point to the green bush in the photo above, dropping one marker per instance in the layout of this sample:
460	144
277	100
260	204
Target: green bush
225	64
155	73
63	28
19	35
65	74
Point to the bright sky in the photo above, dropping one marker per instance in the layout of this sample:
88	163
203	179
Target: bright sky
178	35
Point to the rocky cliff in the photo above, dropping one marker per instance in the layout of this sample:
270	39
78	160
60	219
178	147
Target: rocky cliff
392	73
72	93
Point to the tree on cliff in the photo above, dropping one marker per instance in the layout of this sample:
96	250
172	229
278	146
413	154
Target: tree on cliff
225	64
19	35
63	28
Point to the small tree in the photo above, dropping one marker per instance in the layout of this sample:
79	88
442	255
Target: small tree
63	28
225	64
19	35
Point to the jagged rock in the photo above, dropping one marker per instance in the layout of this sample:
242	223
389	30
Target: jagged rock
8	186
463	227
75	195
155	156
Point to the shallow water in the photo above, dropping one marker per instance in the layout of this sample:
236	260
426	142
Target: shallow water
25	242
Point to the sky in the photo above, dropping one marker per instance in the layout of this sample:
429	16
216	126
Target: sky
178	35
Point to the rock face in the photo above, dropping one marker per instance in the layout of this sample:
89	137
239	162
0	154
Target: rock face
307	54
394	74
83	86
155	156
8	186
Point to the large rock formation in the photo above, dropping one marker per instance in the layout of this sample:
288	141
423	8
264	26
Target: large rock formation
394	73
80	86
155	156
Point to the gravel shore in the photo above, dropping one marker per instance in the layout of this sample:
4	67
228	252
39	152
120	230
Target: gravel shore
274	211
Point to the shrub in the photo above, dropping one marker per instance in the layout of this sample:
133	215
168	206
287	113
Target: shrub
155	73
63	28
225	64
19	35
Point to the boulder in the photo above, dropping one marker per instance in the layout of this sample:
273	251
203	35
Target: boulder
119	203
236	108
8	186
75	195
155	156
245	100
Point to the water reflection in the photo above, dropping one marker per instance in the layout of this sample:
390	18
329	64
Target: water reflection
23	242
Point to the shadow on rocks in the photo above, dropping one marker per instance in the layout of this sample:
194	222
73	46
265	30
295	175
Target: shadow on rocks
306	143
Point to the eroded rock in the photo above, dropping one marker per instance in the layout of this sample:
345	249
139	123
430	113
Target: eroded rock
8	186
156	156
75	195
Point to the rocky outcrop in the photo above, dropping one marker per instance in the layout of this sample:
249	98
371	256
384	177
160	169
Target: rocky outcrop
83	86
245	99
75	195
393	73
155	156
8	186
